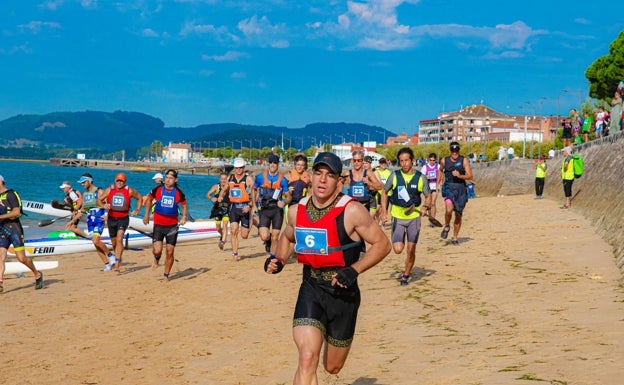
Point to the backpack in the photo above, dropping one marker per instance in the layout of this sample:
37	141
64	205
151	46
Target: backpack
579	163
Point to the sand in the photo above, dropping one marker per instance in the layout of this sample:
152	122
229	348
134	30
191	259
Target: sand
530	296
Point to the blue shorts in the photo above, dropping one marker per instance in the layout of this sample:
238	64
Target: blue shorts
95	225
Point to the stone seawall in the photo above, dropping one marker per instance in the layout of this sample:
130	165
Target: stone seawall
598	194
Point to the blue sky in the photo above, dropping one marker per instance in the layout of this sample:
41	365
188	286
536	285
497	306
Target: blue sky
388	63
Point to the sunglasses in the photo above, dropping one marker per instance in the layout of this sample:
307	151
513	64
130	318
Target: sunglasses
357	160
118	180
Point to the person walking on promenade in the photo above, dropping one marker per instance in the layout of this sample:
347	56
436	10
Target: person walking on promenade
298	179
455	170
566	135
116	199
12	233
540	177
272	194
327	229
166	199
430	170
567	175
404	187
616	113
242	207
91	206
218	195
588	123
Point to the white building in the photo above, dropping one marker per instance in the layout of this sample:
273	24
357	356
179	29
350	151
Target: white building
176	153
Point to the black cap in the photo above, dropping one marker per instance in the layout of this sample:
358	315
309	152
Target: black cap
273	158
454	146
330	160
383	160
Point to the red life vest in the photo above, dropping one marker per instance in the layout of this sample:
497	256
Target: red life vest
119	200
321	243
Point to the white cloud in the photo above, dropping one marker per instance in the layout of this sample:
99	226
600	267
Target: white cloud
228	56
37	26
239	75
148	32
51	5
89	4
260	31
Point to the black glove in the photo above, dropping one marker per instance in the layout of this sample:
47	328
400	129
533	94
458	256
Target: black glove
278	262
347	276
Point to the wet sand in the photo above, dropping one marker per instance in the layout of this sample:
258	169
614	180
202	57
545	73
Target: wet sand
530	296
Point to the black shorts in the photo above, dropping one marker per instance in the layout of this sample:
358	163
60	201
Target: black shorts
170	233
237	216
567	187
12	233
331	309
117	224
271	217
220	212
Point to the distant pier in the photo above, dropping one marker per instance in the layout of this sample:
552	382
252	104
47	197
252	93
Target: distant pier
186	168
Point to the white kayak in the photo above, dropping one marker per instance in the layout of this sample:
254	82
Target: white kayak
136	223
18	267
44	209
66	242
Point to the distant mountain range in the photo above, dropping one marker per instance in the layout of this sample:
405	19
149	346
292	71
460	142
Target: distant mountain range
99	133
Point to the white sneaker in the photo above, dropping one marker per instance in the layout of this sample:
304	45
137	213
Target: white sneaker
108	267
111	258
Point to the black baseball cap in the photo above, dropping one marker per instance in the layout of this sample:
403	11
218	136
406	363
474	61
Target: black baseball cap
383	160
454	146
273	158
330	160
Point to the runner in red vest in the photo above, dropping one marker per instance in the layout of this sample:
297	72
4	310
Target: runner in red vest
116	199
327	229
167	197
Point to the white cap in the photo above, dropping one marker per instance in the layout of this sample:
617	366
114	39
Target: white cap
157	176
1	178
65	184
239	162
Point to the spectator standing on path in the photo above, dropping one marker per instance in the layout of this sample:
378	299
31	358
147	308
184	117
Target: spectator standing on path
566	135
567	175
601	116
616	113
540	177
405	187
551	153
588	122
12	233
327	229
510	152
455	170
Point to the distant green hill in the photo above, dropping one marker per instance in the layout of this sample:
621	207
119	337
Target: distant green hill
99	133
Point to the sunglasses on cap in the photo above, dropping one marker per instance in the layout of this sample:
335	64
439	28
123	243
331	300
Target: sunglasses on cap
454	148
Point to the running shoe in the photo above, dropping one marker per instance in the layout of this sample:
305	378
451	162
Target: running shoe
267	246
39	282
108	267
111	258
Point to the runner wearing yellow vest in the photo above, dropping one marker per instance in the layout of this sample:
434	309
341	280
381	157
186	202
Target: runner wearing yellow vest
405	186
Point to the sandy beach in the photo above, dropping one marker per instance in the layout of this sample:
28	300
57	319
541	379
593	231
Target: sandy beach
530	296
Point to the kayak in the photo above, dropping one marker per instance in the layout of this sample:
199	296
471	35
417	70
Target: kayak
45	209
67	242
54	210
18	267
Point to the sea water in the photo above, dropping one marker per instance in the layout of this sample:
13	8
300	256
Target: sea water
40	181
